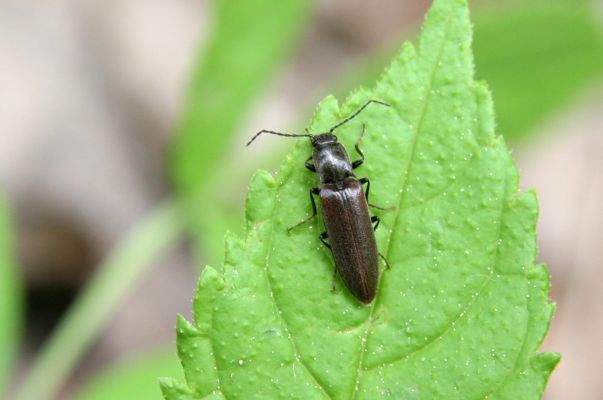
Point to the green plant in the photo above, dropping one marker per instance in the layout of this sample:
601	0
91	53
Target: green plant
116	274
462	311
252	38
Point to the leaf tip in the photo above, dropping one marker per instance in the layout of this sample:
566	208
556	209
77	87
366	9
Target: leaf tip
173	390
545	362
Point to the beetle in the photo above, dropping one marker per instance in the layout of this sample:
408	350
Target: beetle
344	204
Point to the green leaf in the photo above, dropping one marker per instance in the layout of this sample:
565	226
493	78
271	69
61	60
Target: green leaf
462	310
132	379
537	56
252	37
10	299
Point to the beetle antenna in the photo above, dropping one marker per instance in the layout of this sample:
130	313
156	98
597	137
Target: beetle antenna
356	113
277	133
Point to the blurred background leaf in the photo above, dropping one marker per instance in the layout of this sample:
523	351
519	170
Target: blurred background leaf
10	299
251	39
95	306
536	57
133	379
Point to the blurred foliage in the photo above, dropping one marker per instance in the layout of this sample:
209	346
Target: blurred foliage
132	379
536	56
10	299
159	231
251	38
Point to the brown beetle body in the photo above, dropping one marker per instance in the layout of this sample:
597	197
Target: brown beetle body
350	231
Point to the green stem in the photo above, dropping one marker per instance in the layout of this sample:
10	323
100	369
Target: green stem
96	305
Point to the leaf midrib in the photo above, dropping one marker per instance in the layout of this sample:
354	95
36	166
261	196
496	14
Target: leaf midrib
403	182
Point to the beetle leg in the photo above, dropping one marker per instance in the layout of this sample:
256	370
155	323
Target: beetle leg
376	219
333	287
309	165
324	236
313	191
384	260
381	208
368	186
358	163
366	194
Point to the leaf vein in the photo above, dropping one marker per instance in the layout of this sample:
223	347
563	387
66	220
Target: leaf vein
448	328
284	322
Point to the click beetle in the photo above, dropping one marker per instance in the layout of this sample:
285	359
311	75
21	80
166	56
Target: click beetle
344	204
